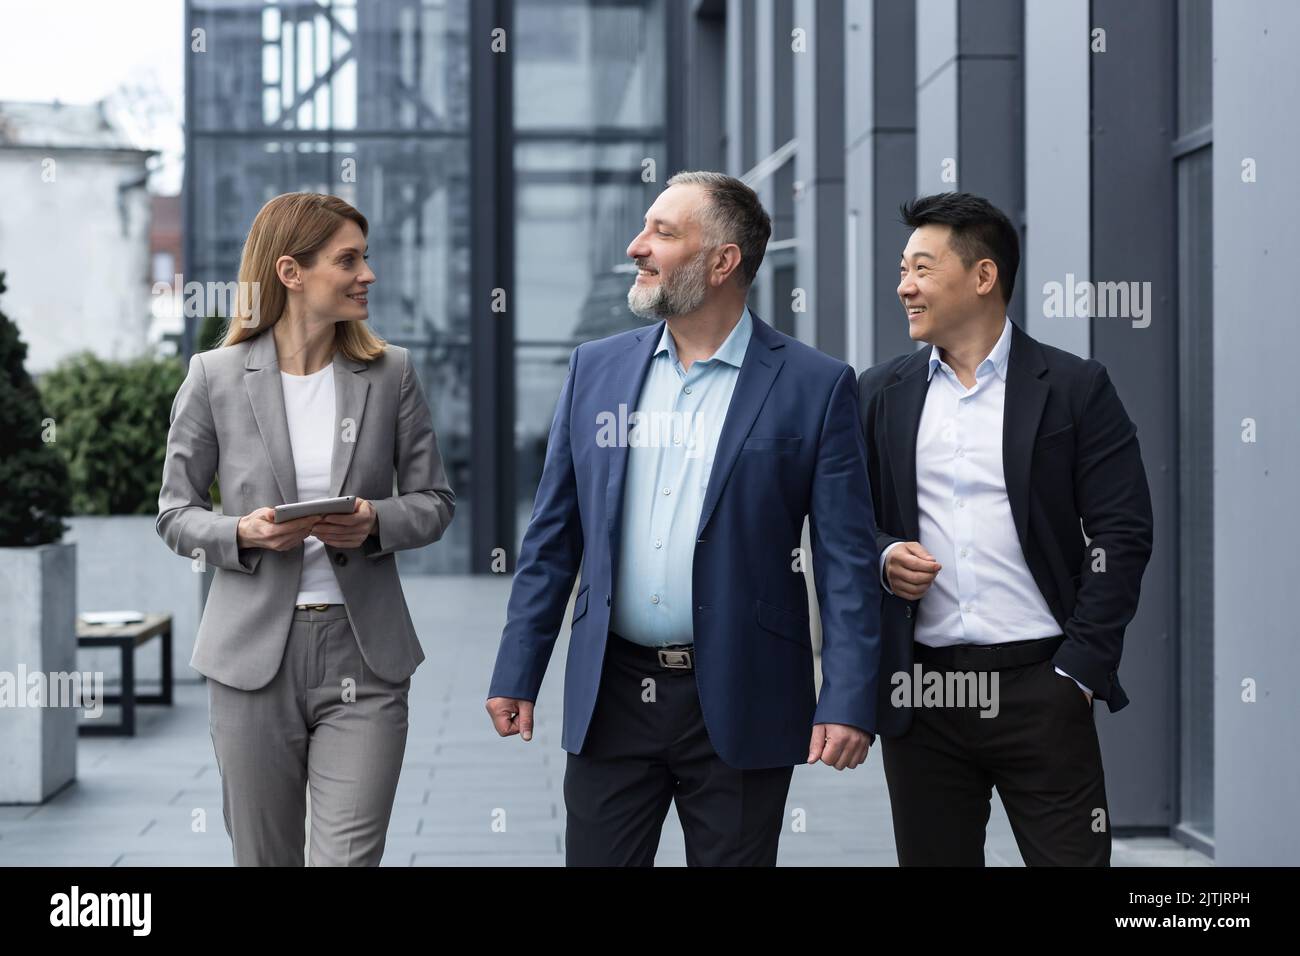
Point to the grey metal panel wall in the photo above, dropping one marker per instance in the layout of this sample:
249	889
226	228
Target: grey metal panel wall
936	94
1256	243
740	86
1134	239
766	93
1056	165
859	146
880	171
819	167
990	111
698	125
894	171
969	105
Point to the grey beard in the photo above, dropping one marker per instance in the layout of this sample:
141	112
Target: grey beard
681	294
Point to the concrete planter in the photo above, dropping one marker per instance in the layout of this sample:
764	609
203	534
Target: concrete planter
38	639
122	564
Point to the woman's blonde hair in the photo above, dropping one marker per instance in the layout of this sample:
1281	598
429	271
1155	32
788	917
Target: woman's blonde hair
297	225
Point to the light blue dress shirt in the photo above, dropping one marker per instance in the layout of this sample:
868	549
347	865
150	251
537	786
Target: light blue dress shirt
672	437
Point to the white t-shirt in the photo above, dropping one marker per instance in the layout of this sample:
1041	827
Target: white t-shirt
309	407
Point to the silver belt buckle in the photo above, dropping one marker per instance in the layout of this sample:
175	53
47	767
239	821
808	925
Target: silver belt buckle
675	659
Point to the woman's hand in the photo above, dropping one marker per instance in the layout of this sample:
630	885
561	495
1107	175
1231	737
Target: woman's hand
259	530
348	531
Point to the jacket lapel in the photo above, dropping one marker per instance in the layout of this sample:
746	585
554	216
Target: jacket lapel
1026	395
262	381
626	378
904	402
758	371
350	391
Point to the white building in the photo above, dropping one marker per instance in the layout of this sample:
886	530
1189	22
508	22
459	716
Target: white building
74	232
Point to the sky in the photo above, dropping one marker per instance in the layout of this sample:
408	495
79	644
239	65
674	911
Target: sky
81	51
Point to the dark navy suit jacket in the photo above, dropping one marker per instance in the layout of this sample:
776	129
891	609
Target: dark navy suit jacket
791	446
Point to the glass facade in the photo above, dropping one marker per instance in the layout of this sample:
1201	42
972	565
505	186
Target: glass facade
589	83
373	102
368	102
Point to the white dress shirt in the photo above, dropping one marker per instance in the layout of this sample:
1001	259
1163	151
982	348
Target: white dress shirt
309	408
985	593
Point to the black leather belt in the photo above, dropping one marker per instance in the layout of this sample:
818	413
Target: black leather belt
987	657
677	658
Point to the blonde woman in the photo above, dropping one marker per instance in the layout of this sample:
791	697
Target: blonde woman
305	640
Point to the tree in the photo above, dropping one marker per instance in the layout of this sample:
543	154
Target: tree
34	493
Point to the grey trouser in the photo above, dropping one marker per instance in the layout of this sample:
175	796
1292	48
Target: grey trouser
325	720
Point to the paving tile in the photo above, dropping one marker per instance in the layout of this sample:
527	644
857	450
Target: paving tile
134	799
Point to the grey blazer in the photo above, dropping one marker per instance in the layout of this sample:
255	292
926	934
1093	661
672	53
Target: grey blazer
228	420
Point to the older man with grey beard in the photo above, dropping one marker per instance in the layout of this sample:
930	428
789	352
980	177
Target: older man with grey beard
690	667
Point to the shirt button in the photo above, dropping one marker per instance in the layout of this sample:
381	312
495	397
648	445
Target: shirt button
969	608
677	439
668	491
654	599
961	503
659	543
961	453
687	390
964	552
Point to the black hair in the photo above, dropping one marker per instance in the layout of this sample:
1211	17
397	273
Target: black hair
980	230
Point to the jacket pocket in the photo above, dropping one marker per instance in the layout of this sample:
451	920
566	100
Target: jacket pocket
788	624
1052	439
775	446
579	606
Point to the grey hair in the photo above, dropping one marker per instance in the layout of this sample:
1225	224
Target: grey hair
734	214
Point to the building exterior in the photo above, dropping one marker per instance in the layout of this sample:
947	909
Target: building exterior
498	178
62	164
505	151
166	261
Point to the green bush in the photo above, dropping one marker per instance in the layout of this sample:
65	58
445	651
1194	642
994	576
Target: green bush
112	420
33	476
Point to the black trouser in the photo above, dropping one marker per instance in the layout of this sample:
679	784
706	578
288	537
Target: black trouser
1040	751
646	747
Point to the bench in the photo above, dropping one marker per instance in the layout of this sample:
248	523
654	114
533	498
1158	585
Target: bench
126	638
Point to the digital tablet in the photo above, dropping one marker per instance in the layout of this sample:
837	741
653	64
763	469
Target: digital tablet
319	506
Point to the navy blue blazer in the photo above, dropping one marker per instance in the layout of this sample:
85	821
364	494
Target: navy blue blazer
791	446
